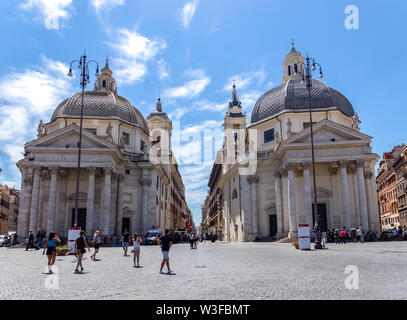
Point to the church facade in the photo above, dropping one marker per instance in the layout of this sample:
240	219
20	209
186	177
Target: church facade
123	184
272	199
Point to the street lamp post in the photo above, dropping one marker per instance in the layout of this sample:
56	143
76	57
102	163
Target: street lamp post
309	68
83	65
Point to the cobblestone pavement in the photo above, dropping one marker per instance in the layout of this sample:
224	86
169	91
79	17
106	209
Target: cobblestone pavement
214	271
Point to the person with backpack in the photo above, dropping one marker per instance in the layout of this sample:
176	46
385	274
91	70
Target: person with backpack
80	244
50	245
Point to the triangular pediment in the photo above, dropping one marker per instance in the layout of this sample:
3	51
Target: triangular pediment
68	137
327	131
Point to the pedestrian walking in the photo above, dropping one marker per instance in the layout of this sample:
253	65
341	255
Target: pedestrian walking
191	241
353	234
343	236
96	244
80	244
125	241
30	243
165	244
136	249
114	240
336	236
324	239
51	247
360	234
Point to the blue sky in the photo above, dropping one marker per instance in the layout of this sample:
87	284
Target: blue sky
190	51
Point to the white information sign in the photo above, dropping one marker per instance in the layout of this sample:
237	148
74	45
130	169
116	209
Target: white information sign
73	234
304	240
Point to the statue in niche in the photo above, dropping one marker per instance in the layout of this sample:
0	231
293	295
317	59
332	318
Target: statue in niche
289	124
121	143
109	131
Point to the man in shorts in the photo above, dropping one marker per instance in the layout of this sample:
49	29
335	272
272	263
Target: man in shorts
126	240
165	244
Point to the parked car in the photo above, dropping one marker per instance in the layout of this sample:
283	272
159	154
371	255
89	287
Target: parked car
152	237
2	238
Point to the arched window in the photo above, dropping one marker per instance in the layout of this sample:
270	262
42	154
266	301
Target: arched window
295	68
289	70
104	84
234	194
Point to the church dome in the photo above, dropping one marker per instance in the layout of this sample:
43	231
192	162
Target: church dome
292	96
103	103
100	104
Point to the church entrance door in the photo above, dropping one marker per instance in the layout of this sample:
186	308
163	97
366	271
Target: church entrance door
126	224
272	225
322	221
81	218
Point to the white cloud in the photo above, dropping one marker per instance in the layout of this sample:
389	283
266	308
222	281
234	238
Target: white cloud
27	97
163	70
98	4
178	113
243	80
191	88
134	51
210	106
187	12
51	11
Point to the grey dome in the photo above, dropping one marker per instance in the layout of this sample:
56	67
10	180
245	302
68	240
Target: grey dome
100	104
293	96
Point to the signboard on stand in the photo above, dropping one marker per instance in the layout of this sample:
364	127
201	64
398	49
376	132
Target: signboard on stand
304	240
73	234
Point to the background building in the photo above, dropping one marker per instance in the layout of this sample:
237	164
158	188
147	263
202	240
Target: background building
398	161
125	176
268	191
9	206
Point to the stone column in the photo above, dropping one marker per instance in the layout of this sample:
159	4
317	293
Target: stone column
120	178
106	202
345	194
362	196
90	202
255	216
22	222
34	201
291	202
52	200
279	209
368	176
307	195
145	182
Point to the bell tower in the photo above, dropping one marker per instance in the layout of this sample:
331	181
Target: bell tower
105	81
293	65
234	125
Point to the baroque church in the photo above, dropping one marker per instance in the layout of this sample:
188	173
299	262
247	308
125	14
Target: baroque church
272	199
122	185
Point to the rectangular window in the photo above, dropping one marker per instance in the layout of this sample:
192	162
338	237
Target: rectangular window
268	135
126	138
